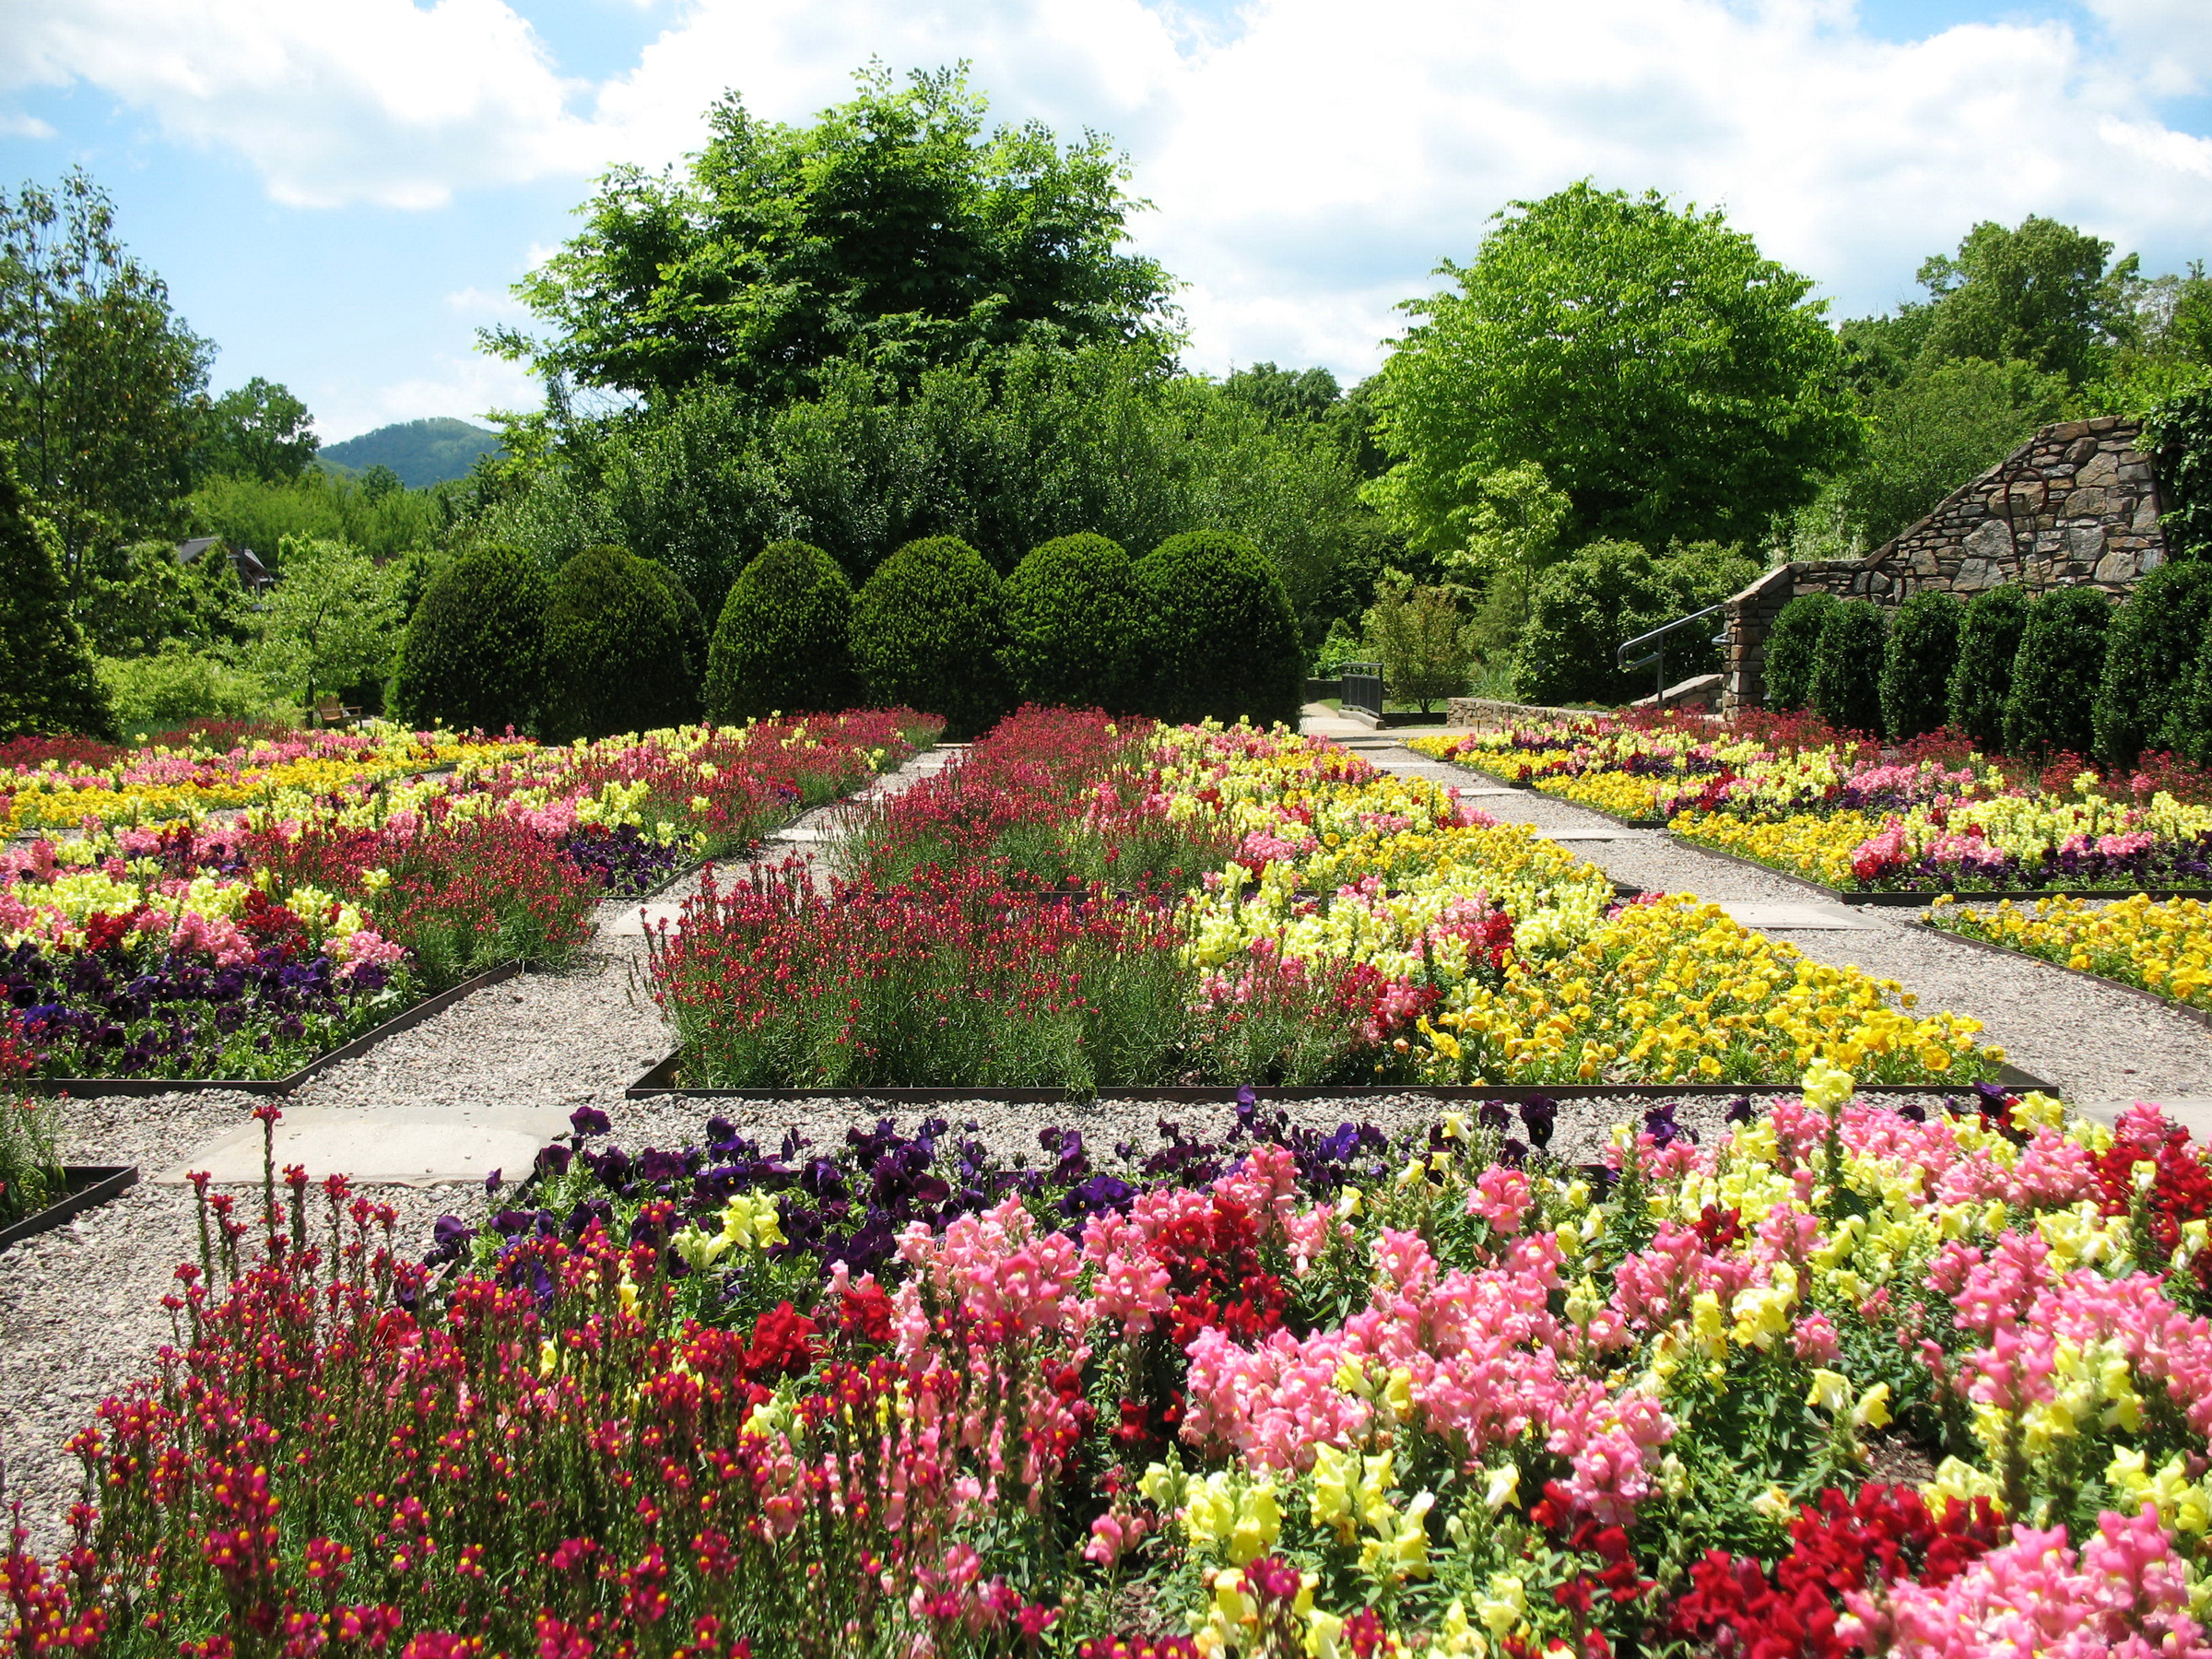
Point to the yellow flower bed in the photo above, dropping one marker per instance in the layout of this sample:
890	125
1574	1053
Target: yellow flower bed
1677	992
1620	793
1818	848
2164	948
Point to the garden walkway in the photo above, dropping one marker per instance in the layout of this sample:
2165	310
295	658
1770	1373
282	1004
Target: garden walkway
2102	1046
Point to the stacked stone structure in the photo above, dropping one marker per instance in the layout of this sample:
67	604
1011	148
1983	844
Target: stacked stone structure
2076	505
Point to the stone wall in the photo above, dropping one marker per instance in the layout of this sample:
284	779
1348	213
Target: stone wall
2076	505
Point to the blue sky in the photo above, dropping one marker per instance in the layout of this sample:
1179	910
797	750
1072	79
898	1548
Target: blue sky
339	193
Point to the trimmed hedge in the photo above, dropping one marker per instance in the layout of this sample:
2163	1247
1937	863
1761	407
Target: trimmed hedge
47	684
1988	639
613	649
1847	666
2149	658
691	629
1224	643
1073	615
928	626
1793	647
474	651
2054	678
785	638
1917	661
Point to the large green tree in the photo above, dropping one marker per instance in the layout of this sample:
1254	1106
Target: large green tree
2042	293
46	679
100	382
894	229
1939	427
258	430
1671	380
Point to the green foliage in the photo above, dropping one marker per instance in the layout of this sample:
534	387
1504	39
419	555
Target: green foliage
1847	666
1792	650
691	627
160	692
1916	663
783	640
47	684
2149	656
892	230
330	623
1415	633
1073	625
1032	445
99	382
2055	676
317	506
2040	294
258	430
474	653
1943	424
2181	428
1223	641
613	649
1989	640
1673	383
927	628
1286	394
421	452
141	597
2189	722
1584	608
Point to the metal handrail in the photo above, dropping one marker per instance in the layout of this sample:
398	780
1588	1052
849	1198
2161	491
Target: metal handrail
1658	657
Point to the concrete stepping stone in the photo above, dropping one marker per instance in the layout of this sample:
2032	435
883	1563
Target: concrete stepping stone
637	920
1786	918
428	1147
2193	1113
1599	835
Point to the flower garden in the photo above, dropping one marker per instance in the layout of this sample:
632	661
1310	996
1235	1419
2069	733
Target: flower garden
232	914
1820	1373
1084	905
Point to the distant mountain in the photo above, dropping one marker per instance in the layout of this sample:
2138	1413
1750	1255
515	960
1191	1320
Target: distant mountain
420	452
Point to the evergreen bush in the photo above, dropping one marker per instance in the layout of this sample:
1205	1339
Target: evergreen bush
475	649
1988	639
785	638
928	626
1847	666
1073	619
2189	722
1793	646
613	649
2149	658
1916	662
47	684
1220	631
691	629
2056	675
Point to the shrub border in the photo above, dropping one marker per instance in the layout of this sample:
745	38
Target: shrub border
1920	901
90	1185
2188	1010
145	1088
659	1084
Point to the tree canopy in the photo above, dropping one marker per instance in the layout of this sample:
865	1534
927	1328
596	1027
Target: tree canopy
1671	381
893	229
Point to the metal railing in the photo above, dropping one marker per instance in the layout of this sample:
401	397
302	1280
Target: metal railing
1363	688
1657	639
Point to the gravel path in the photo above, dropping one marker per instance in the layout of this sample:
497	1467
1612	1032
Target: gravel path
2098	1043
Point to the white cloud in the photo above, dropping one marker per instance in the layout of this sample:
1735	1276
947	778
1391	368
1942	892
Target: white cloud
469	387
1311	162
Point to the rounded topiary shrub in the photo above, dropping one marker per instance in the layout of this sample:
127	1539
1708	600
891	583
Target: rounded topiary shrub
1218	626
784	640
2054	678
1988	639
2150	657
691	629
1073	616
613	649
1792	647
1847	666
926	632
474	651
1916	662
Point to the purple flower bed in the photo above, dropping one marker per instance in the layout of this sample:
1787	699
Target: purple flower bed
623	862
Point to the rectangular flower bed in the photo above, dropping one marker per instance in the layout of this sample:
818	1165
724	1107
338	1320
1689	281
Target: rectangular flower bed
89	1184
1907	901
2161	951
